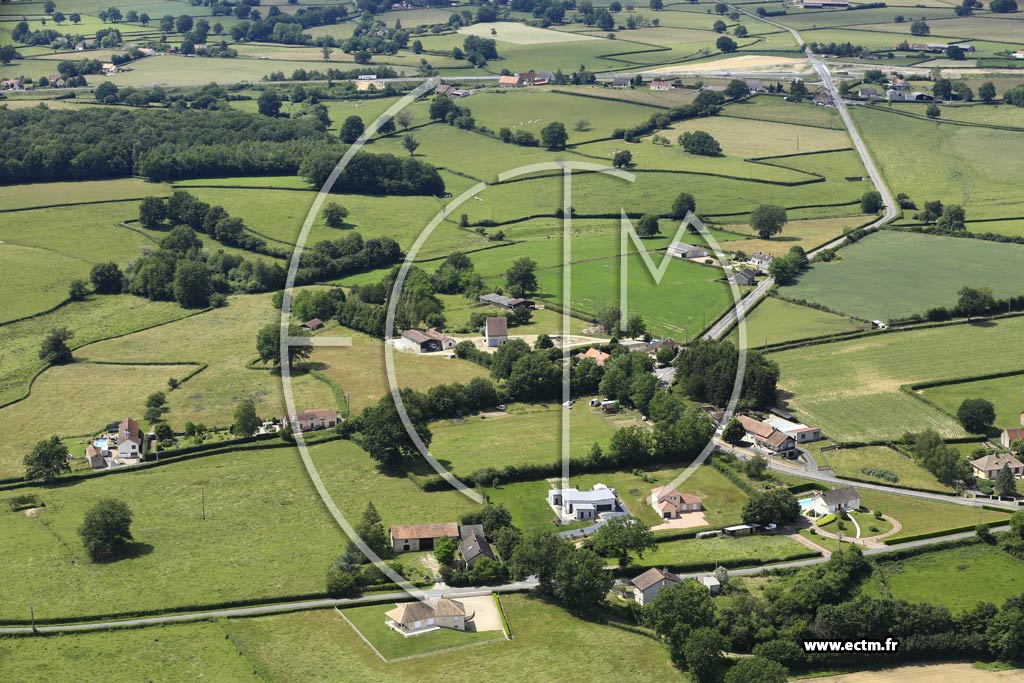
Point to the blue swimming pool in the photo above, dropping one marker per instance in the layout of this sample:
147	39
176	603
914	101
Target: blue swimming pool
100	443
805	503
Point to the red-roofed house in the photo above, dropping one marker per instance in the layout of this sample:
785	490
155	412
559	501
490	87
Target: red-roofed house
416	537
514	81
1010	435
596	355
669	503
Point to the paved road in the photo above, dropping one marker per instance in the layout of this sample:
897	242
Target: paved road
719	329
261	610
787	466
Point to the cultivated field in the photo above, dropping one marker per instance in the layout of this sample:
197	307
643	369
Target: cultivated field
859	398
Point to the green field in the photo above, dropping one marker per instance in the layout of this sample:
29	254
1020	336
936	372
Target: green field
465	446
860	398
265	535
319	645
746	550
972	166
850	462
1007	393
181	653
958	578
775	109
775	320
370	622
896	274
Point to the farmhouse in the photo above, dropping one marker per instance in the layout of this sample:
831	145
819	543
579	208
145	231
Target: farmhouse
416	537
621	82
801	432
831	502
1010	435
513	81
312	325
12	84
661	85
988	466
761	261
868	93
652	347
584	505
768	437
122	446
684	250
502	301
429	340
596	355
745	277
495	331
412	618
473	547
646	586
669	503
108	69
755	87
316	418
543	77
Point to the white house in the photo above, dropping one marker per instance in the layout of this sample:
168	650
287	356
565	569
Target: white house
761	261
495	331
646	586
684	250
800	432
413	618
831	502
583	505
117	448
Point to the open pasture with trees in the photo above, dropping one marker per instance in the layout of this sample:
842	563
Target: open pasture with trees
970	166
808	234
265	534
1006	393
892	274
745	139
860	398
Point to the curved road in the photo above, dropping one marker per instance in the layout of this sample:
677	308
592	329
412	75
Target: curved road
726	322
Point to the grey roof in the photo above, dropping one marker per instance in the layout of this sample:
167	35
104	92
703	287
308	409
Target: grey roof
653	576
467	530
475	547
841	496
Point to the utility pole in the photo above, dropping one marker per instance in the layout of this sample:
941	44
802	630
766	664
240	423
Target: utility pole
32	614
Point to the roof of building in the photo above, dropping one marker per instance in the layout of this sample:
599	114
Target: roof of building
755	426
665	506
322	413
622	80
467	530
661	84
509	80
663	491
92	450
418	336
841	496
475	546
409	612
754	85
597	355
502	300
496	326
995	461
787	426
746	274
128	426
777	438
1012	434
437	334
129	438
314	323
446	607
685	247
653	576
761	256
435	530
710	581
599	493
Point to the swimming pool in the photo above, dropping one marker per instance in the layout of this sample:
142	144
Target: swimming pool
100	443
805	503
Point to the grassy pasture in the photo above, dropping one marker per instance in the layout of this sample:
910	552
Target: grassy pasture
520	34
775	320
807	233
859	397
849	462
360	372
962	165
957	578
741	138
775	109
321	646
994	114
77	192
895	274
265	534
36	279
370	622
1007	393
722	549
870	18
352	480
181	653
91	320
90	396
225	339
457	310
476	443
986	28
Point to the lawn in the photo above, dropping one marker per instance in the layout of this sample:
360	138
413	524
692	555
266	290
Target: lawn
468	445
972	166
225	340
851	462
370	622
310	646
852	389
1007	393
360	371
775	320
182	653
265	535
750	550
957	578
896	274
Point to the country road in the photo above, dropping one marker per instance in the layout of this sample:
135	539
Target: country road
728	321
